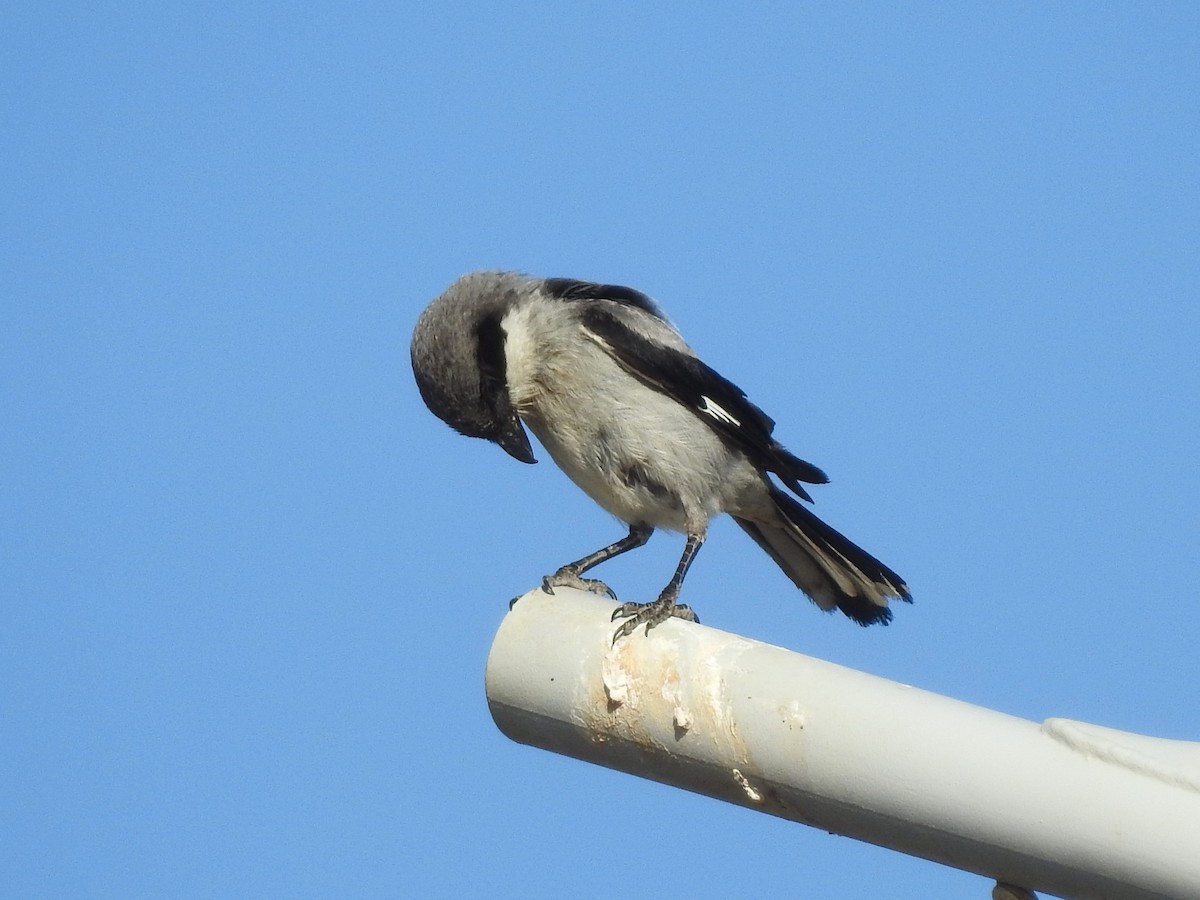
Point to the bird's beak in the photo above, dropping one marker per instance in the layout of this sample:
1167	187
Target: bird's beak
515	441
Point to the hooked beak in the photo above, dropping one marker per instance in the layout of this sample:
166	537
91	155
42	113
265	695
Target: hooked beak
512	438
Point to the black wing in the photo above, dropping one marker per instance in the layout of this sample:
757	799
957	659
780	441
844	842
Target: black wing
716	400
570	289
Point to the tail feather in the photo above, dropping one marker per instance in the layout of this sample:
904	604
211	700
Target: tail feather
826	565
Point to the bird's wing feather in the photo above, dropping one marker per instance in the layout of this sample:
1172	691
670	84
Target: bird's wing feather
639	338
572	289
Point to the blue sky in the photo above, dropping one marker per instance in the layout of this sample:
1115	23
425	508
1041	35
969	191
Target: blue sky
249	583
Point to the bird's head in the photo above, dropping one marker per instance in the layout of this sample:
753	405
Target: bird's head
458	358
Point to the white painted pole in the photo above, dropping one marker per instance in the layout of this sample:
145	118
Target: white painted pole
1063	807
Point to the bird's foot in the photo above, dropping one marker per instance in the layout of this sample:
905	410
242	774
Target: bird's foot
650	614
568	577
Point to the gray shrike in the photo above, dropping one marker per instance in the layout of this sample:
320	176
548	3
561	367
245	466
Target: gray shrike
645	428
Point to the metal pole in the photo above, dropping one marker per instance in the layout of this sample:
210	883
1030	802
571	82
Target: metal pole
1064	807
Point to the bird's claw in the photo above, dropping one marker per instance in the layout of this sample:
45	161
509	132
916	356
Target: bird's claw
564	577
650	614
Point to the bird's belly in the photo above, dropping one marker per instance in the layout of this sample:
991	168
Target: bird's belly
664	475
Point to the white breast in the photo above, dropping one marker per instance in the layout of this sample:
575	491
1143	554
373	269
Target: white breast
637	453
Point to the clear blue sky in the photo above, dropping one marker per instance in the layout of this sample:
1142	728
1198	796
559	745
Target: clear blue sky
249	583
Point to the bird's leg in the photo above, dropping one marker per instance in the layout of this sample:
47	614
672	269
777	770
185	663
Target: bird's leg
568	575
651	614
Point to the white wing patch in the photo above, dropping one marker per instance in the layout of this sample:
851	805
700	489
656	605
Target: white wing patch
710	407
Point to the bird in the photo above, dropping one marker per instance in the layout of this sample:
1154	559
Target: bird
641	424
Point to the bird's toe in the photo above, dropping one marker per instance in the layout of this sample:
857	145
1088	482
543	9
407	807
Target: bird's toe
650	614
568	578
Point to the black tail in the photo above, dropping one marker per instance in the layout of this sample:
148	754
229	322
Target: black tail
826	565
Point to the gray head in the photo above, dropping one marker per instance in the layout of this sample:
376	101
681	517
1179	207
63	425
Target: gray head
458	358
